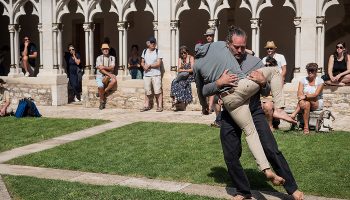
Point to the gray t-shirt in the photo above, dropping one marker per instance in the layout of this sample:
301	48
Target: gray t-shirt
151	57
212	60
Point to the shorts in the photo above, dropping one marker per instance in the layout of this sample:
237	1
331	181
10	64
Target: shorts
155	81
99	82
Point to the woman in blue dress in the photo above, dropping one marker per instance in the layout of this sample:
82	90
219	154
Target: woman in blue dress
181	91
134	63
73	63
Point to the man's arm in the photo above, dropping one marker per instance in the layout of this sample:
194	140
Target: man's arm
225	80
199	84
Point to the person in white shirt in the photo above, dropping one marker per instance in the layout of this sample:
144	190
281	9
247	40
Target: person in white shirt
151	62
267	103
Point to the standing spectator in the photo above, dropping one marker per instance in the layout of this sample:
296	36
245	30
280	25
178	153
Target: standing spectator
105	78
338	67
281	61
214	102
181	91
73	69
134	63
151	62
267	105
5	100
29	53
309	95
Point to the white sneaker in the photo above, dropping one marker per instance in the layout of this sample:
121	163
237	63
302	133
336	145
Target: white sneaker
76	99
26	74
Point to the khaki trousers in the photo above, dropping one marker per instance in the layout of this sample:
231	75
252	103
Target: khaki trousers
237	104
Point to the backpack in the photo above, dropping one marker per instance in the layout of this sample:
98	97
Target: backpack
325	121
144	52
27	108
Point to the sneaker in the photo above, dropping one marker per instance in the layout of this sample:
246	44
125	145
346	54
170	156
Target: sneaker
76	99
26	74
145	109
159	109
102	105
215	124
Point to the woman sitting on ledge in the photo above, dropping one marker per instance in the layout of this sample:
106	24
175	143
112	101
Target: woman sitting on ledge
338	67
309	95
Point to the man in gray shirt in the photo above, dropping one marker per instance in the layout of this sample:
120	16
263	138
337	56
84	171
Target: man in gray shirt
215	72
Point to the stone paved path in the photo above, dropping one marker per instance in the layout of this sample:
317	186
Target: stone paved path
119	118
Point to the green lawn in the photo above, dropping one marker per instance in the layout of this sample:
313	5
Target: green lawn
43	189
192	153
19	132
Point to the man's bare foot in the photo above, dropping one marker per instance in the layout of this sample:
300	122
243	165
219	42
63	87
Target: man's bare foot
281	114
298	195
238	197
274	178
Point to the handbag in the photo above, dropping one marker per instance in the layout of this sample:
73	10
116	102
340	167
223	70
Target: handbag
106	80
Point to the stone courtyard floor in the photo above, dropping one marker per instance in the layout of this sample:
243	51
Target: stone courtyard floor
118	118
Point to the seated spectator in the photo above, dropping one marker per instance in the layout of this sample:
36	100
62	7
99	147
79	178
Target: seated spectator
5	100
267	103
338	67
181	91
104	75
28	53
134	63
309	95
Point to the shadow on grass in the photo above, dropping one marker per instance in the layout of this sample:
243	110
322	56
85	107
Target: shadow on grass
257	182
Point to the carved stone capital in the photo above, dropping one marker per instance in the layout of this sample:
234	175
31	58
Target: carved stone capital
174	24
13	28
55	27
40	27
122	26
320	21
155	25
213	23
297	22
255	23
88	27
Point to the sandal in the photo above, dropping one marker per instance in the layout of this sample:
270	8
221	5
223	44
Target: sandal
306	131
159	109
145	109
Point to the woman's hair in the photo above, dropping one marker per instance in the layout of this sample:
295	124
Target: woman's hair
135	46
345	52
70	45
183	48
312	66
271	60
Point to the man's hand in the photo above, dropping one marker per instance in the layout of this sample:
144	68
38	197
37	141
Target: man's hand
258	77
226	79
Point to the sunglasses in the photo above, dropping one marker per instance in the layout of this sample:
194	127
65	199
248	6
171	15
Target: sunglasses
269	48
339	47
268	65
26	39
183	53
71	49
311	70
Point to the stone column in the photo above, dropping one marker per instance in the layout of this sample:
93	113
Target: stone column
87	28
55	28
125	49
255	26
121	29
298	68
213	24
60	50
320	22
17	51
174	24
13	67
155	29
40	29
91	48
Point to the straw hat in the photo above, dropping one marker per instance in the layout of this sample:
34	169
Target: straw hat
209	32
270	44
104	46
